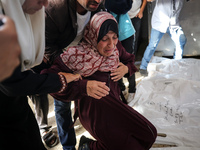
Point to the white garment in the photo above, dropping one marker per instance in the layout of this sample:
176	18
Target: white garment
163	15
30	30
135	9
82	21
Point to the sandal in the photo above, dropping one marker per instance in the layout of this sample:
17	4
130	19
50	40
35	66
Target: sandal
49	138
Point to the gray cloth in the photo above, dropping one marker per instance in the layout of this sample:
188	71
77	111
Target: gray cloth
41	106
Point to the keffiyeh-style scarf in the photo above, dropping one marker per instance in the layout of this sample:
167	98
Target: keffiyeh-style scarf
85	59
30	30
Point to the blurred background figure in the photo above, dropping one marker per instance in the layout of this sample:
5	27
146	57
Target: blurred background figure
9	47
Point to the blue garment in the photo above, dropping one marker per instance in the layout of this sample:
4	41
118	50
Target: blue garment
176	35
125	26
64	121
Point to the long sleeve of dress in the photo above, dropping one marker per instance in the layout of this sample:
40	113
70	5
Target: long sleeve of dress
75	90
29	83
127	59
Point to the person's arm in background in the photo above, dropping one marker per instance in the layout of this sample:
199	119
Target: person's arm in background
9	48
140	14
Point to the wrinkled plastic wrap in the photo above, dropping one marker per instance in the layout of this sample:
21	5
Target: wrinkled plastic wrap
170	98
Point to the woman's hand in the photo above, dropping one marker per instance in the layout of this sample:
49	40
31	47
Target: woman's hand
118	73
139	15
97	89
71	77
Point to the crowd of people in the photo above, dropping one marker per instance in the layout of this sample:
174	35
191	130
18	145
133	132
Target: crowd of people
75	50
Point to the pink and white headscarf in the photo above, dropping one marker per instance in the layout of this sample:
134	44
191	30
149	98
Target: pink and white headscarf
84	58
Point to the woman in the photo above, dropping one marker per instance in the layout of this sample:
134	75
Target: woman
112	123
19	129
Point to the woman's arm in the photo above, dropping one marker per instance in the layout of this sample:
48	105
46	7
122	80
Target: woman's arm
127	59
29	83
140	14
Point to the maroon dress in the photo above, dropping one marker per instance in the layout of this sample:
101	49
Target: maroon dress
115	125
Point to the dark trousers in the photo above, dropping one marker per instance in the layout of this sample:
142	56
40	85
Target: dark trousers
128	45
137	25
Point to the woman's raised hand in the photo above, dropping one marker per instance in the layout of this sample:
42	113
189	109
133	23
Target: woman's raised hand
118	73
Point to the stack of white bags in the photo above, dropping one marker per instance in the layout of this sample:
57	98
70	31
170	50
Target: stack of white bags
170	98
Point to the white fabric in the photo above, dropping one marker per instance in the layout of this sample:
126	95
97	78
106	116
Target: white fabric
163	16
31	32
135	8
82	21
170	98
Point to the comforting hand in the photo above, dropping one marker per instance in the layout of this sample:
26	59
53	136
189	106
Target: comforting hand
71	77
97	89
119	72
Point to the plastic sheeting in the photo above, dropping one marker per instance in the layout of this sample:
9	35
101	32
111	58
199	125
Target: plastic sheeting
170	98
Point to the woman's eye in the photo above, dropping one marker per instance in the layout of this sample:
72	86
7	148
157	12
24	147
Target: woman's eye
104	39
115	37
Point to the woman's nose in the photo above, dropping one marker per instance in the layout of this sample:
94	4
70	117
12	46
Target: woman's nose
111	43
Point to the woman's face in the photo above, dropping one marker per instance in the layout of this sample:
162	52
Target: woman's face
107	44
31	6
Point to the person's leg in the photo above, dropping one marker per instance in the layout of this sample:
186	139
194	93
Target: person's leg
121	85
64	121
154	40
33	133
132	88
128	45
41	106
137	25
131	80
120	120
177	35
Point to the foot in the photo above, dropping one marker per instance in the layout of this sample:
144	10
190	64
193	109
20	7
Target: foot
49	138
125	92
143	72
83	144
130	97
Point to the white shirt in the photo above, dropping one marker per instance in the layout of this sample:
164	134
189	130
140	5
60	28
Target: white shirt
82	21
164	16
135	8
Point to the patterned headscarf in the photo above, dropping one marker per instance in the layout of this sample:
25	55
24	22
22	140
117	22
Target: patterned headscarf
85	58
